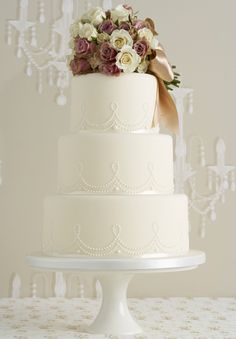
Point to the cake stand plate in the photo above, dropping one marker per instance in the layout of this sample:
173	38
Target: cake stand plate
114	275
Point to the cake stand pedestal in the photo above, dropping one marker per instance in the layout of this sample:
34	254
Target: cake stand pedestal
114	275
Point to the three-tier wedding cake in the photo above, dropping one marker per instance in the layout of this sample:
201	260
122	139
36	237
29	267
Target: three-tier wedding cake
115	170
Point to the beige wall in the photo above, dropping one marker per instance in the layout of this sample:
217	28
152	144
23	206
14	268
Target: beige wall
200	38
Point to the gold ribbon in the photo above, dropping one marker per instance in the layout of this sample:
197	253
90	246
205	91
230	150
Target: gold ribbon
166	110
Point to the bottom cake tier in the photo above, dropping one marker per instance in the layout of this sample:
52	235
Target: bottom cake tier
115	225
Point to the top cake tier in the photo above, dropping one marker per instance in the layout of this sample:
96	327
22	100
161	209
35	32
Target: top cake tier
102	103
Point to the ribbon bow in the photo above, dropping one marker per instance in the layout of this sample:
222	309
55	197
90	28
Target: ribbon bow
166	110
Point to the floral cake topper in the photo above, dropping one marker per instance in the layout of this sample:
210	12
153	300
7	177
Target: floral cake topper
117	41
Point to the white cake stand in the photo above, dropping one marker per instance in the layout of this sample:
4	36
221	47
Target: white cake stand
114	275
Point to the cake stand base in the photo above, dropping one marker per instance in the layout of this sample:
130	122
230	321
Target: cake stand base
114	316
114	275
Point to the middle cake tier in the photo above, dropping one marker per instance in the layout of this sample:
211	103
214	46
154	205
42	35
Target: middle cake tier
115	163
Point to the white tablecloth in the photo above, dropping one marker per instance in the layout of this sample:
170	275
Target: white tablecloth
171	318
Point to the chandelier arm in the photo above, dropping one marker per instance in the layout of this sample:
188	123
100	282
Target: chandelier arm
41	50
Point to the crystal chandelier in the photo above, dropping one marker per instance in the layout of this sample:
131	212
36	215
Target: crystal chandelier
48	61
221	177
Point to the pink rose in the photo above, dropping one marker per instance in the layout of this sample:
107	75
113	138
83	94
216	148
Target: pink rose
141	47
84	48
125	25
107	52
107	26
109	69
80	66
139	24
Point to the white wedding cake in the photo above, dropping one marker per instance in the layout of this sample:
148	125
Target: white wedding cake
115	176
115	170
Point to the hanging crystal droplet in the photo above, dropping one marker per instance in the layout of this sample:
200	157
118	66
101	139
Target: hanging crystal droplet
33	41
232	184
209	181
50	77
19	53
217	184
213	215
202	232
41	12
203	227
42	18
203	162
61	100
190	103
226	184
9	40
233	187
59	80
29	70
9	36
202	156
222	198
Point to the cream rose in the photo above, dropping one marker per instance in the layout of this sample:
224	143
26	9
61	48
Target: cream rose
95	16
143	67
120	38
147	34
155	42
103	37
88	31
127	59
121	13
94	61
75	28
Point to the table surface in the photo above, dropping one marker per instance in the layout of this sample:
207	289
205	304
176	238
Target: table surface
170	318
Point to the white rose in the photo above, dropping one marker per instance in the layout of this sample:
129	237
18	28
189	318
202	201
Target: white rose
120	38
95	15
143	67
128	59
121	13
146	33
94	61
88	31
75	28
155	42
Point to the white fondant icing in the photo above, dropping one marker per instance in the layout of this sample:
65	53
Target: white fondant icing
108	162
99	225
101	218
124	103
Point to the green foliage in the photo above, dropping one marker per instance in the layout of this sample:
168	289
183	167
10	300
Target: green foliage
175	82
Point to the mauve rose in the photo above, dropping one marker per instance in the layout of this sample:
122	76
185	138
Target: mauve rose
141	47
125	25
107	26
107	52
80	66
109	69
139	24
83	47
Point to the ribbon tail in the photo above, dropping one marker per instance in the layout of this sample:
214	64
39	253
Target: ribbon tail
166	111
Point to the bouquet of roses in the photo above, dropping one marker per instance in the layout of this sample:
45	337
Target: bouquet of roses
112	42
